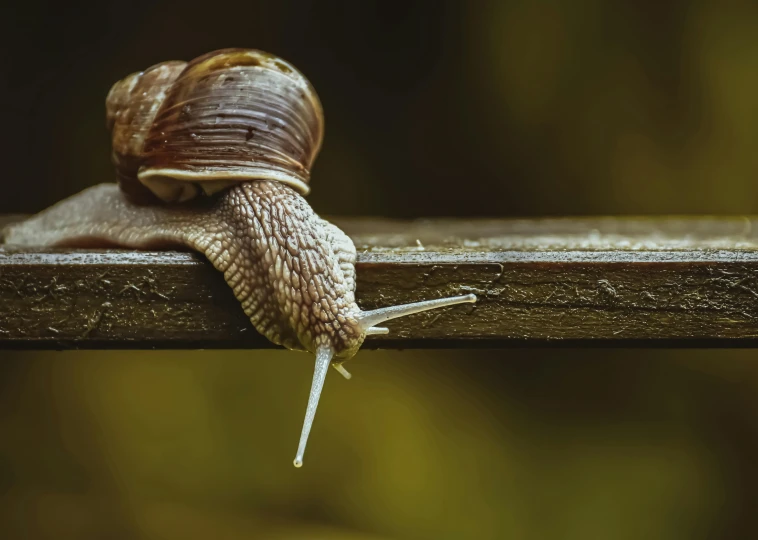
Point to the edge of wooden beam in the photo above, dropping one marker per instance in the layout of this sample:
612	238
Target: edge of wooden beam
64	299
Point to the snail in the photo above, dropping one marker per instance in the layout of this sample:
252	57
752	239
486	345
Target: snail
215	155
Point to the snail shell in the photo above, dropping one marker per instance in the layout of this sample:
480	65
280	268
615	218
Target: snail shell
183	129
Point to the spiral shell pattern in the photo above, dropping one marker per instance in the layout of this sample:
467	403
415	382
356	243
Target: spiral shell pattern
181	130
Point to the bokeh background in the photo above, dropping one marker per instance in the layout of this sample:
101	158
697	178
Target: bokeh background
434	108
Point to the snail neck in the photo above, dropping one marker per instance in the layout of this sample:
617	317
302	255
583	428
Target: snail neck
304	264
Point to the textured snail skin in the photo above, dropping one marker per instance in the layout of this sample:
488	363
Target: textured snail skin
291	270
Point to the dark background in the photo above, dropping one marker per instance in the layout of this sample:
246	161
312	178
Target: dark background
433	108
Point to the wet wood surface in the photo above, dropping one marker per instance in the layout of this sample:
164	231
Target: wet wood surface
673	282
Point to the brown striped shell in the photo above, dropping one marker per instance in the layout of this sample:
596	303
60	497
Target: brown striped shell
183	129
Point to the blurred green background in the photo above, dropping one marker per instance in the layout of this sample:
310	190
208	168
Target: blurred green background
434	108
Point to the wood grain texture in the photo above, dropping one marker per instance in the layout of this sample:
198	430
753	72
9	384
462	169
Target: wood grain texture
606	281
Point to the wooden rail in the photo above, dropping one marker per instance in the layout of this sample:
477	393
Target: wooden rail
605	281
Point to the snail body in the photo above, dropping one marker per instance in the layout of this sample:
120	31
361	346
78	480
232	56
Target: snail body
215	155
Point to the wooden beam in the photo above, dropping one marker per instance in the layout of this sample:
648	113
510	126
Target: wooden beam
607	281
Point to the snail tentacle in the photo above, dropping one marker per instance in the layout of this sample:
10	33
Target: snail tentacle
367	319
324	356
